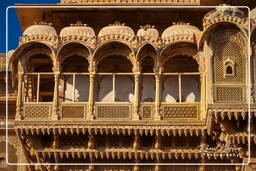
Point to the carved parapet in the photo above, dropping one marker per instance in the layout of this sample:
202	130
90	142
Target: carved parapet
78	32
116	31
180	32
42	32
225	13
149	34
49	39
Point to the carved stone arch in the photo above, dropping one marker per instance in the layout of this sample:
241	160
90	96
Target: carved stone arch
70	49
115	48
31	48
21	55
183	49
150	50
208	32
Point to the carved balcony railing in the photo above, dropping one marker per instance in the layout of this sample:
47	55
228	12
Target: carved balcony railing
181	110
147	110
230	93
73	110
35	111
73	92
67	100
114	110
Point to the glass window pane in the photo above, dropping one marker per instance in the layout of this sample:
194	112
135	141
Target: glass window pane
68	88
46	89
148	89
81	88
190	88
170	89
124	89
105	93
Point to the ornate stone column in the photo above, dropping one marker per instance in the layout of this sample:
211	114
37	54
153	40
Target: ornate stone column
208	55
56	141
91	167
158	96
136	141
55	103
136	96
157	140
91	141
136	167
203	92
19	97
90	115
202	167
157	167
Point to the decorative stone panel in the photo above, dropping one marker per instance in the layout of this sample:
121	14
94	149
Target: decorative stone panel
113	111
36	111
228	45
73	111
229	94
180	111
147	110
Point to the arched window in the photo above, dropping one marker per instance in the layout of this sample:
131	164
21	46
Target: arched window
229	68
39	82
181	80
114	83
147	54
74	80
147	81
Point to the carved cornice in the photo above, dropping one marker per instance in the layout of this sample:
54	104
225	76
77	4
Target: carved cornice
129	2
229	113
221	112
153	154
46	129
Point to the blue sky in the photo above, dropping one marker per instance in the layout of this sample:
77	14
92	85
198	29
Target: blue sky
14	31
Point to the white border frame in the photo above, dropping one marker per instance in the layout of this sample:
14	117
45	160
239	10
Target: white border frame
132	164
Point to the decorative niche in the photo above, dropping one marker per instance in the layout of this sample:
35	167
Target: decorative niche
229	68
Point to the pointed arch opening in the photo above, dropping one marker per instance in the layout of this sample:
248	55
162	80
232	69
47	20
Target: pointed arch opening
115	81
74	79
181	76
148	59
36	61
